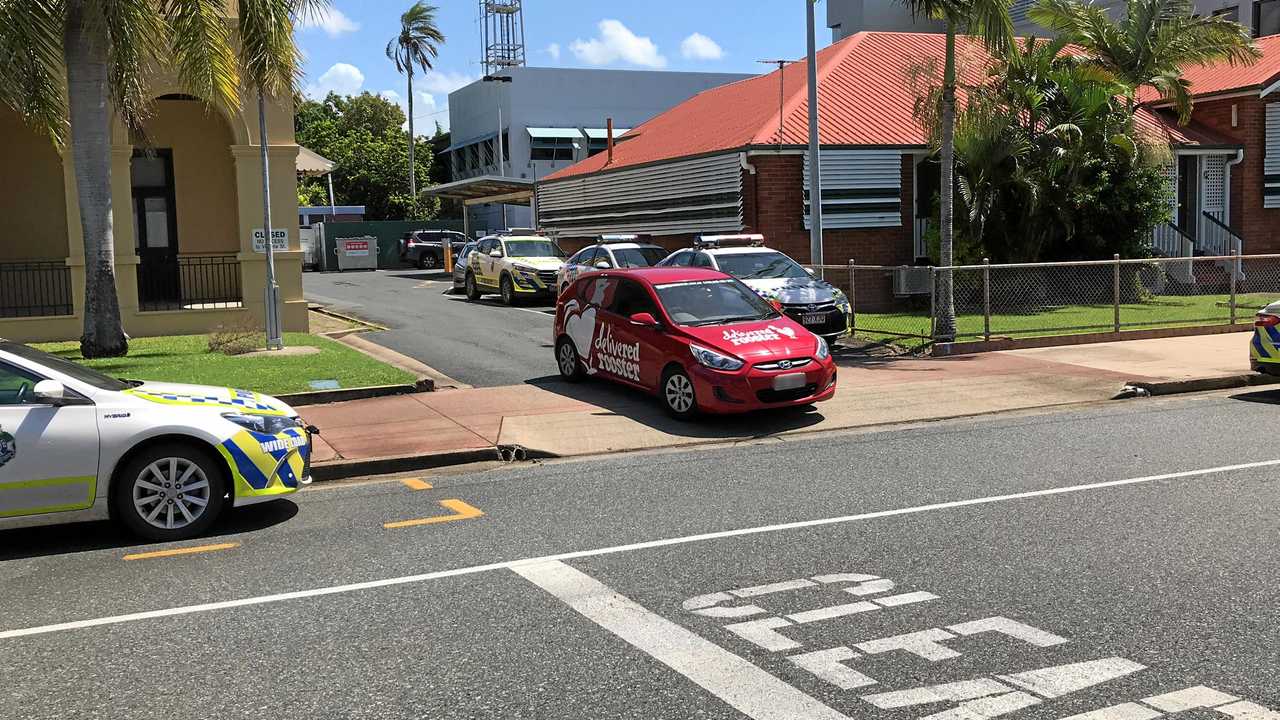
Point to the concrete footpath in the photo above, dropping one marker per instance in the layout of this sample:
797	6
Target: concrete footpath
552	418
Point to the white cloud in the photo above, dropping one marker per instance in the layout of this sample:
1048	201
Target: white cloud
554	51
341	78
331	20
617	42
443	83
426	110
700	47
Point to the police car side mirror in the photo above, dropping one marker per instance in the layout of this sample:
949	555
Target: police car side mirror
603	265
49	392
811	271
495	253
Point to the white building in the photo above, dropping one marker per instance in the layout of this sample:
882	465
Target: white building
552	118
846	17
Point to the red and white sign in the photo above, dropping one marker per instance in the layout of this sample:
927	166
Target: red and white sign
356	247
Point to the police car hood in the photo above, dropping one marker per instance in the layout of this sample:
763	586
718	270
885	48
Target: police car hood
539	263
760	341
222	399
795	291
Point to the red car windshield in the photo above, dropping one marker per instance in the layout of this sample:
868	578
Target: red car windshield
712	302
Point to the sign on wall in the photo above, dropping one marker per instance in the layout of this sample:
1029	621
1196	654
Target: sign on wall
279	240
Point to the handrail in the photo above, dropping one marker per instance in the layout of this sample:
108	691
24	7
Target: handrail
1181	232
1223	226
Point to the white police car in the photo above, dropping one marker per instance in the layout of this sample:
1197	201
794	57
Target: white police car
610	252
162	459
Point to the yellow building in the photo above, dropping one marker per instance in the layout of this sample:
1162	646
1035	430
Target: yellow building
187	200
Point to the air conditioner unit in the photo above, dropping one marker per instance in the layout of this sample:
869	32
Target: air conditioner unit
911	280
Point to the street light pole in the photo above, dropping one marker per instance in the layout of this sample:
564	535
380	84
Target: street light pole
815	151
271	304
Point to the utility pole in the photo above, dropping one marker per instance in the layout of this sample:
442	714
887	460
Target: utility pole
815	152
271	309
782	93
502	170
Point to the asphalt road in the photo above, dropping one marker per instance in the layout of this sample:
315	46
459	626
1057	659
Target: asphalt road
1117	560
483	343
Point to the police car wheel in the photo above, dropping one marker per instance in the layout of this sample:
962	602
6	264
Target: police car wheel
677	394
169	492
568	362
508	290
473	292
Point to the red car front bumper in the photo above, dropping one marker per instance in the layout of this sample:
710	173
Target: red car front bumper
752	388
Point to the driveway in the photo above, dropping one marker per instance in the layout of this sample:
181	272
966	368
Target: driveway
484	344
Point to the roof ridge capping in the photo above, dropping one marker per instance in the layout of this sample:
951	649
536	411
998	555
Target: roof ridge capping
838	53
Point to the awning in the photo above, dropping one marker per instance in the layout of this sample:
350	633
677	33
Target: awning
555	133
603	133
464	142
486	189
311	164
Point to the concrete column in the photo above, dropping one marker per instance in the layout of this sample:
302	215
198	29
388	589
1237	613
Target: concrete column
284	216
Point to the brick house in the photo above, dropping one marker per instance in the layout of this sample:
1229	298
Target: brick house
735	159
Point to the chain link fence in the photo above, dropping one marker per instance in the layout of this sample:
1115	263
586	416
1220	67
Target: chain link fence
907	305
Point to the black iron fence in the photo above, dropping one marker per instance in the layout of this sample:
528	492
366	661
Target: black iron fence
189	282
35	289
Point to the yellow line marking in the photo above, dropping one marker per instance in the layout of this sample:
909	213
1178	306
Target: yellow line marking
461	511
182	551
416	484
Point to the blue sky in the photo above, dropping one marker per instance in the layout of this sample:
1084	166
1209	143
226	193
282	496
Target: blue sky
345	49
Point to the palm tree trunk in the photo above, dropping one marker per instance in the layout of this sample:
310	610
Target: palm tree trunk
413	179
85	53
945	298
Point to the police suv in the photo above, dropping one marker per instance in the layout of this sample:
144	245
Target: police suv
162	459
516	264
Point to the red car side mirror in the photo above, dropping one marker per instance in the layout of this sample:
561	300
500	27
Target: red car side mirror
645	319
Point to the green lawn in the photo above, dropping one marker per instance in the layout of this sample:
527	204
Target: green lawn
1167	311
186	358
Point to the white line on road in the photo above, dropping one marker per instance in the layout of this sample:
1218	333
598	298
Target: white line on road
648	545
745	687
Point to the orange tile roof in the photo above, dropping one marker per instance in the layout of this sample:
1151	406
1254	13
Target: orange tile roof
1162	125
1224	77
864	97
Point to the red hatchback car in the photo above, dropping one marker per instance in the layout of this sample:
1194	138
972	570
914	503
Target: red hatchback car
699	339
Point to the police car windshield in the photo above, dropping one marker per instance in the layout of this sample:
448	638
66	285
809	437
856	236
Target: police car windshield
711	302
533	248
761	266
638	257
66	367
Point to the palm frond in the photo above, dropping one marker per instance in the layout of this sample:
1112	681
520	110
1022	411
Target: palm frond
269	59
419	40
135	32
32	76
200	45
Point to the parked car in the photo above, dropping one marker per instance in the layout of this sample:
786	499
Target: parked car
460	267
424	249
818	305
517	265
162	459
1264	348
699	339
610	251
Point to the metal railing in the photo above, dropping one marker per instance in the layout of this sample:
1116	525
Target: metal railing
190	282
1169	240
35	289
903	304
1218	237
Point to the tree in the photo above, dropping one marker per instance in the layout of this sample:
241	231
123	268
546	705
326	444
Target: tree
989	21
70	64
417	45
365	136
1151	43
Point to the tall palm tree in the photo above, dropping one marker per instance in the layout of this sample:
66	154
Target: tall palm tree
1151	43
417	46
989	21
72	65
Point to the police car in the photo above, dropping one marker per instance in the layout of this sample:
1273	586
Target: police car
610	252
162	459
517	264
819	306
1264	349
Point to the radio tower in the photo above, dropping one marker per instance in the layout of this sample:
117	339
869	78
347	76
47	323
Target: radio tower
503	22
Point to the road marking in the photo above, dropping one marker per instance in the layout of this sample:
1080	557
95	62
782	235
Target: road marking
647	545
461	511
835	611
743	686
926	644
1012	628
763	633
182	551
1056	682
416	484
828	665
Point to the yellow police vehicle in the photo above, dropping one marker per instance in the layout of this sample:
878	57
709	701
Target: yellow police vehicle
517	265
162	459
1264	348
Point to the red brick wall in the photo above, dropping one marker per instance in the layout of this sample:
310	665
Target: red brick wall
1259	226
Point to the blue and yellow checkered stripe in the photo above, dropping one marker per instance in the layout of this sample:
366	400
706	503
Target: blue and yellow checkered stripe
241	400
1266	345
253	457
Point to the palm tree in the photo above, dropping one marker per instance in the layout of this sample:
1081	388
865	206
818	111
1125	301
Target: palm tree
1151	43
70	65
417	45
989	21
